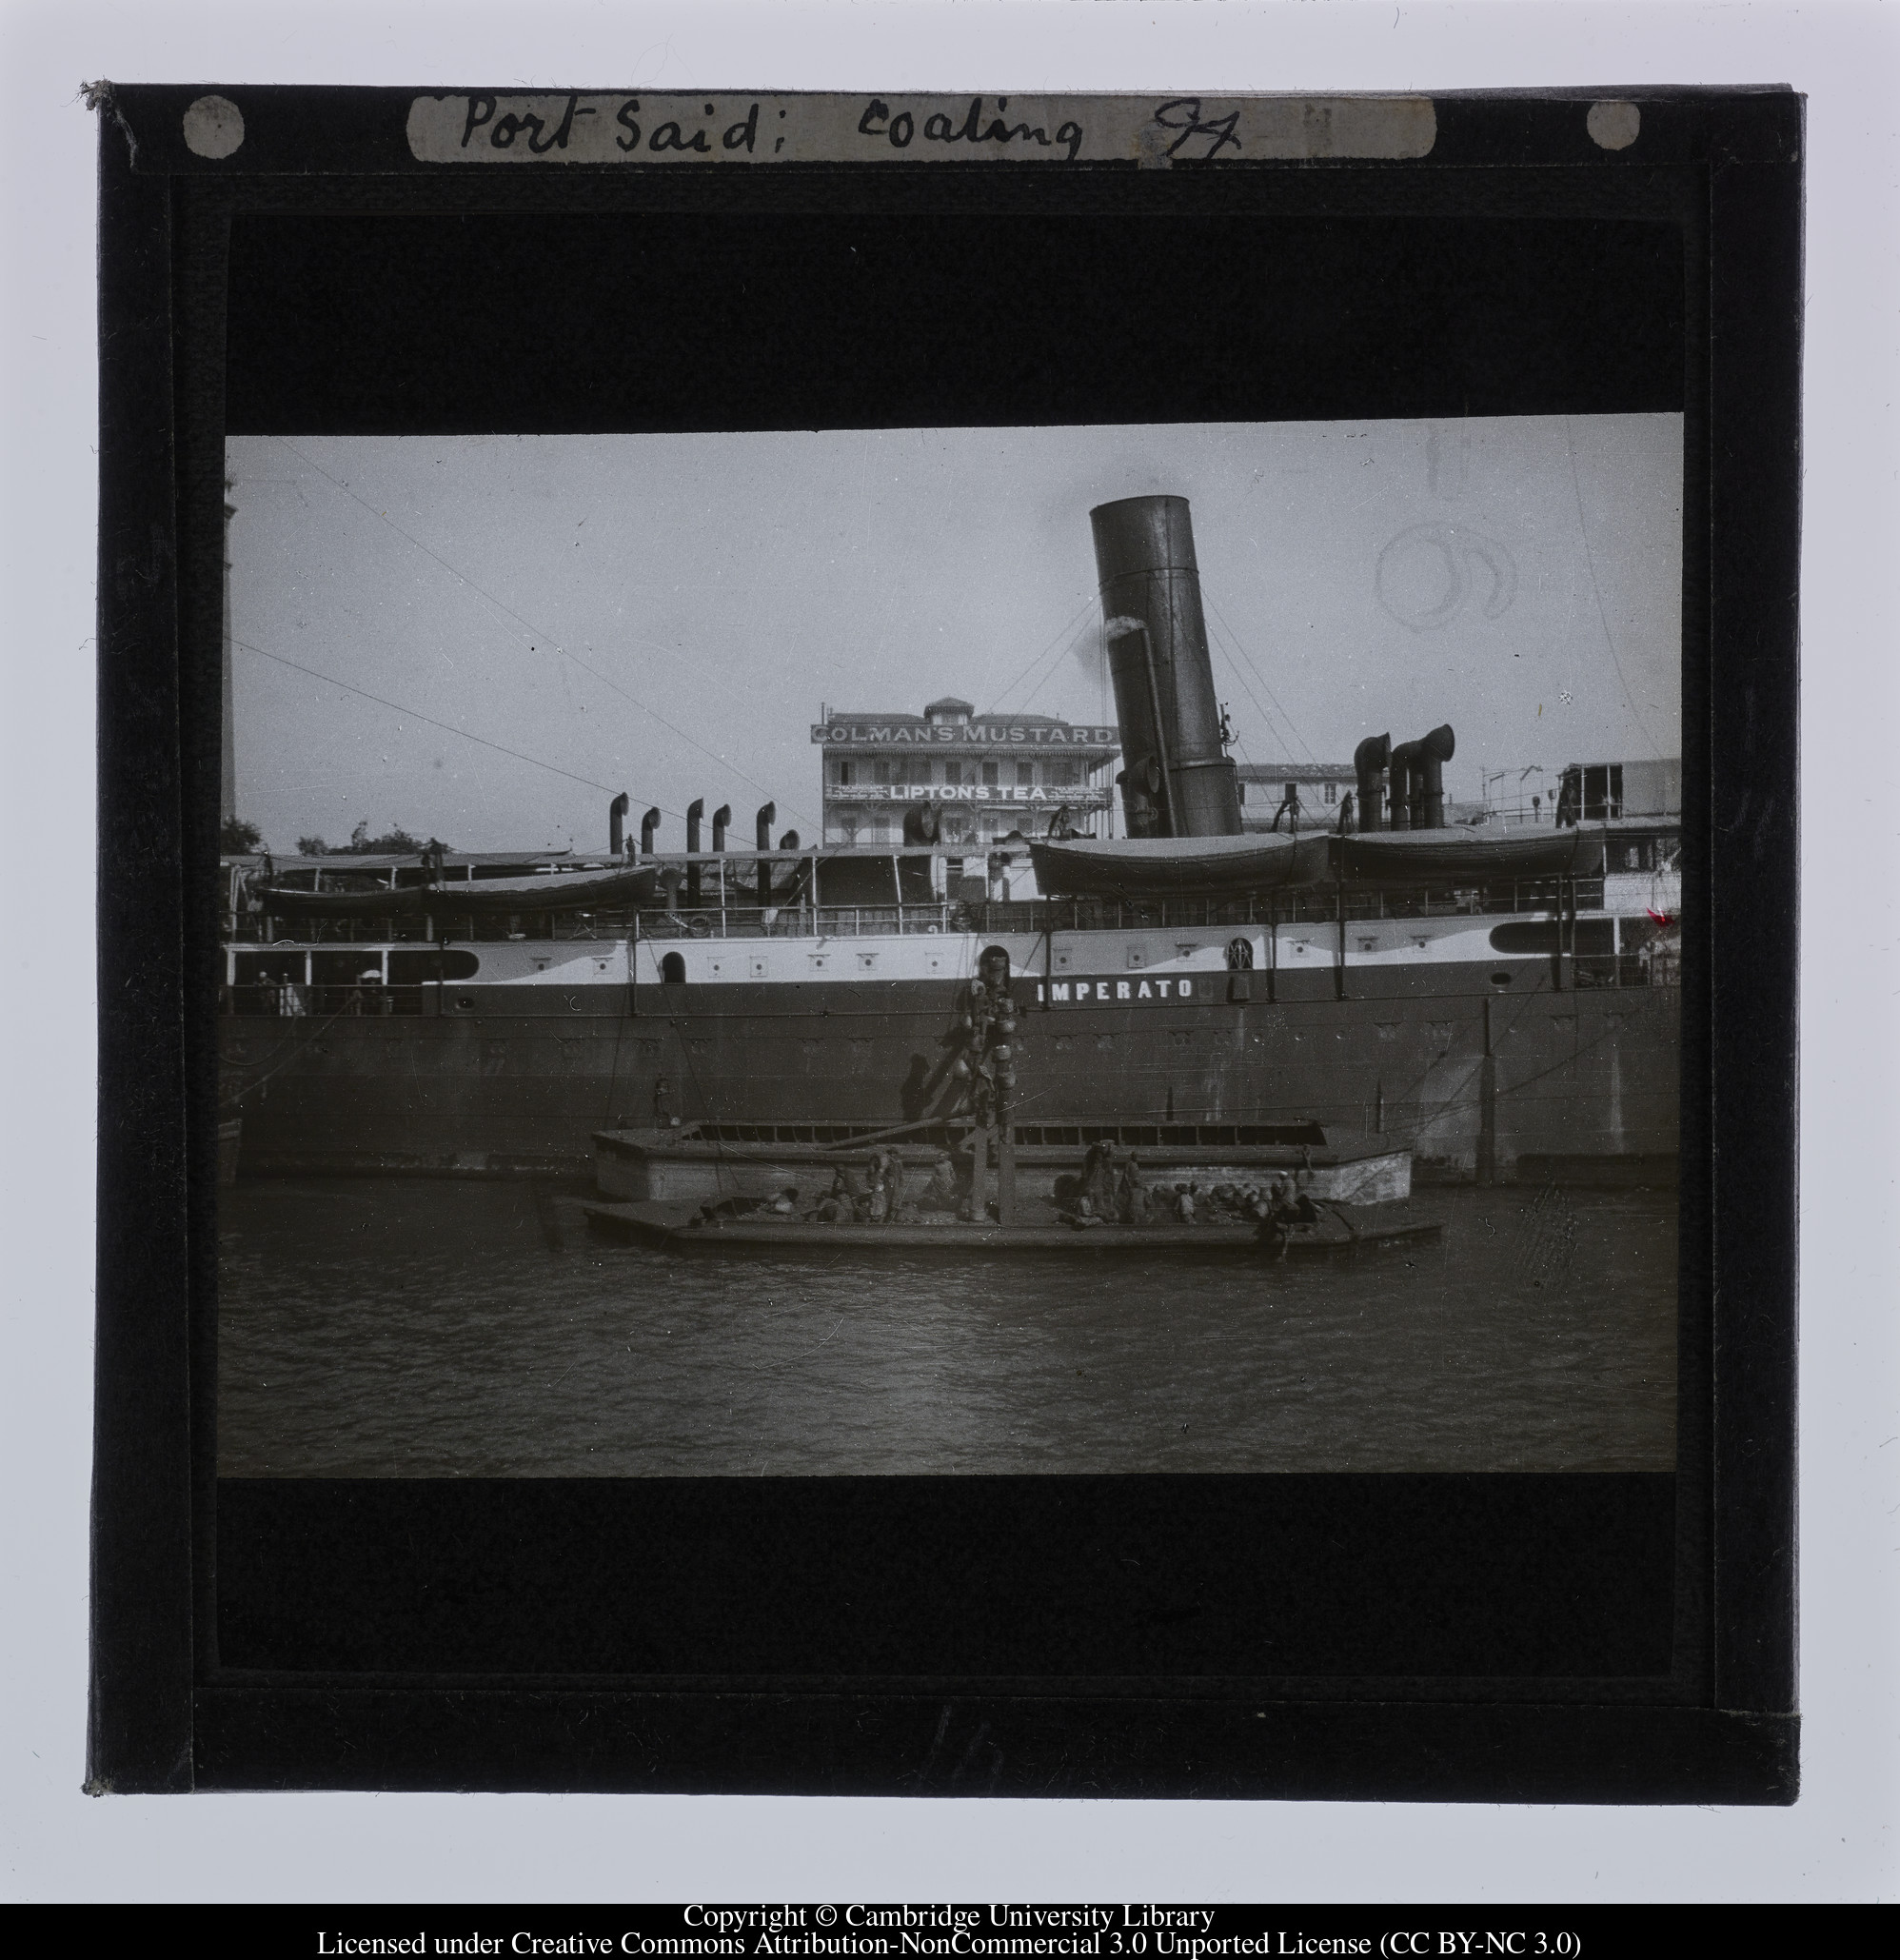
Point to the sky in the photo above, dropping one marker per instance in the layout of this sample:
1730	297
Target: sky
547	620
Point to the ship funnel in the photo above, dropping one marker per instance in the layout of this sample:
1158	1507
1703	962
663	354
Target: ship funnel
1177	780
720	818
1369	763
616	823
649	824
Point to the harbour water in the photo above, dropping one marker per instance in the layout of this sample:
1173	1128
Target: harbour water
425	1328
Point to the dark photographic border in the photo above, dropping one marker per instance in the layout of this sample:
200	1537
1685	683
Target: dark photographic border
1485	1638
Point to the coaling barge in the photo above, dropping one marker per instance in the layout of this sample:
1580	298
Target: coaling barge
1339	1230
701	1165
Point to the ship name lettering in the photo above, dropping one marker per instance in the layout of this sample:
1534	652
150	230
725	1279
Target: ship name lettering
1117	990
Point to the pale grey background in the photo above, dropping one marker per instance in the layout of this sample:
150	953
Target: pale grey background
1838	1842
668	614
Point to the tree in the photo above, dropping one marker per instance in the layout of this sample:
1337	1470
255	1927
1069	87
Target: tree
238	838
394	843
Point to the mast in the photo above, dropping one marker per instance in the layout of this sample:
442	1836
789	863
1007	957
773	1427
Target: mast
227	776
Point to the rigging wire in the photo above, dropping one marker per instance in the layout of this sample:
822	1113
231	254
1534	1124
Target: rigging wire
817	850
1596	593
1240	647
537	638
1055	667
1265	717
416	715
1064	639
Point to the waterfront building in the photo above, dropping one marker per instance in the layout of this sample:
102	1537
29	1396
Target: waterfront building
989	775
1267	789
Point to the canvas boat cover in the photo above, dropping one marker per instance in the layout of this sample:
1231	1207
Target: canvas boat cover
1162	866
483	897
1165	867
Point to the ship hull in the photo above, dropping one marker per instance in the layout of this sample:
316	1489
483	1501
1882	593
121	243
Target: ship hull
1481	1081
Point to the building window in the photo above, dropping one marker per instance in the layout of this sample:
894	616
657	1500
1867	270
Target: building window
1062	775
847	826
1243	792
990	774
1331	792
883	768
953	772
1025	775
842	769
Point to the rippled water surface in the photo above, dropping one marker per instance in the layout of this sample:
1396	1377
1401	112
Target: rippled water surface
417	1328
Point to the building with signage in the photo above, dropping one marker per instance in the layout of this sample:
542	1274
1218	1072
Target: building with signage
989	776
1267	789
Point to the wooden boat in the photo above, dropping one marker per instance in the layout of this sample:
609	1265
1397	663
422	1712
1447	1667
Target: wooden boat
1329	1161
486	897
1340	1230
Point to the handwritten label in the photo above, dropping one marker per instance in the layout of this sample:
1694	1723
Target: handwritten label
1155	131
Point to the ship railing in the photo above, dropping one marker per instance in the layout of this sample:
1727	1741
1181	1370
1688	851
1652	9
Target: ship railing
854	922
307	1001
1303	905
991	917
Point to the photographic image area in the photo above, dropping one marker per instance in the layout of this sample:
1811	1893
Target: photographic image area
977	951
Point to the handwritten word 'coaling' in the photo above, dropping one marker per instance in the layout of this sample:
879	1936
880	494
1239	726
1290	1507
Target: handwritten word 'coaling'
979	125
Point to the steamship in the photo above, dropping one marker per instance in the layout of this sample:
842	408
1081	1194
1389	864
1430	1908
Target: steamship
1501	1000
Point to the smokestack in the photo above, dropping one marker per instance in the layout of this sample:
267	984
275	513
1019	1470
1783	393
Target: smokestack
720	818
695	810
616	823
1164	679
1369	763
649	824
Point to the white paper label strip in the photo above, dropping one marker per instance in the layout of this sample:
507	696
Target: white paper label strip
724	129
